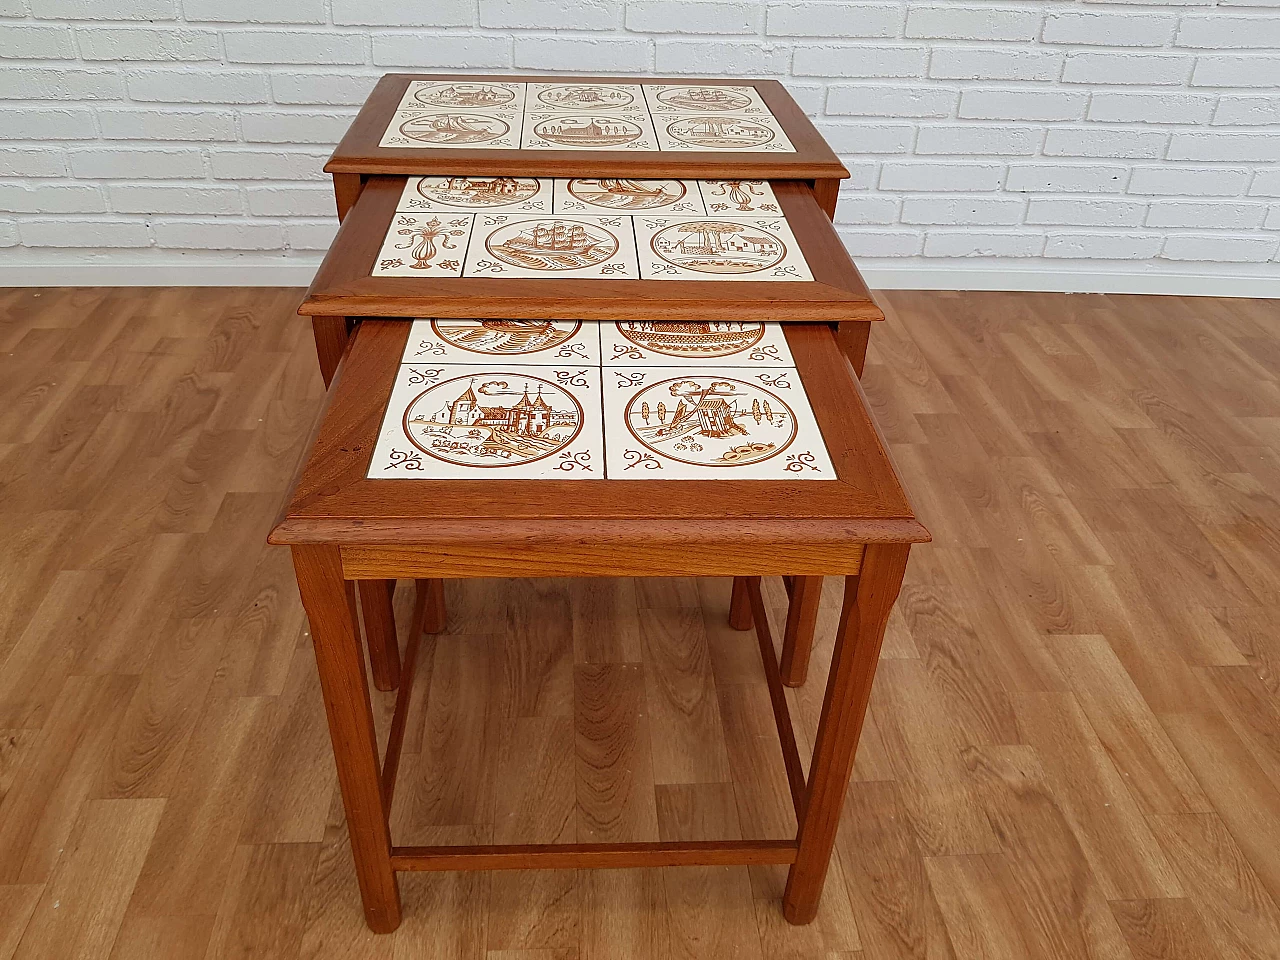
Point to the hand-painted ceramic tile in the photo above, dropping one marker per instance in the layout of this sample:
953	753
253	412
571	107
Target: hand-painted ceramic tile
731	133
644	343
492	421
462	94
521	246
739	197
453	194
627	196
467	130
667	98
541	342
703	248
424	245
588	131
704	423
608	98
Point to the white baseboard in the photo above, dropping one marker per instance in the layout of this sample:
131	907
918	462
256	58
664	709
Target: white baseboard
1199	279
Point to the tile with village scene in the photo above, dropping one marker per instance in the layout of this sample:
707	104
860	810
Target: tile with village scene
472	194
540	342
451	129
728	343
607	98
588	131
488	96
491	421
711	98
711	422
552	247
734	133
603	195
705	248
424	245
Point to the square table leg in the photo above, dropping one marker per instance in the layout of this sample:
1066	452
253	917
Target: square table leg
740	604
380	631
868	598
330	609
332	334
797	640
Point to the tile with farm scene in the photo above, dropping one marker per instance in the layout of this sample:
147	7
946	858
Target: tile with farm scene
471	194
733	133
704	423
704	248
552	247
467	130
729	343
607	98
541	342
472	96
602	195
588	131
686	98
494	421
739	198
424	245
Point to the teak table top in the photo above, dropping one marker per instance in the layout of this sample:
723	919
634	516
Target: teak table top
344	285
645	527
359	151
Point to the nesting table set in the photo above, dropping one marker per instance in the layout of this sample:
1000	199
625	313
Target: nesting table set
590	327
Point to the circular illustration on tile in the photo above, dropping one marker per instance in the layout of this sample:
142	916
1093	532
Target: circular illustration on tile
627	194
586	96
493	420
454	128
477	193
718	246
506	336
704	98
721	133
465	95
589	131
551	245
695	339
711	421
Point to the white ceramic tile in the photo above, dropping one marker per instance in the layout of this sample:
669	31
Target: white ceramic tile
495	421
588	131
704	423
635	343
453	130
600	195
686	98
607	98
727	133
739	198
551	247
497	194
473	96
729	248
424	245
541	342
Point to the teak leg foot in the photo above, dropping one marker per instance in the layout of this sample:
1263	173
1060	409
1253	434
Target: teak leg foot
431	595
797	641
868	598
355	749
740	605
380	631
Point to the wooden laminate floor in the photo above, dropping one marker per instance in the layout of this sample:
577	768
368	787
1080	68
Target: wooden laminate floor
1073	748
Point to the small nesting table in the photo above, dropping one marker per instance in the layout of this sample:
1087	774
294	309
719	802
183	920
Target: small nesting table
344	526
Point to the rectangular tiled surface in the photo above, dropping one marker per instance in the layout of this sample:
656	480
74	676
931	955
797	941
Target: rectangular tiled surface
528	399
583	227
585	116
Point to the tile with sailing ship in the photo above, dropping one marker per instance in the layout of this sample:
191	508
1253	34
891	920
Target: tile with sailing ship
723	133
539	342
473	194
424	245
495	420
711	422
588	131
607	98
602	195
710	98
559	247
463	129
464	95
709	248
739	197
737	343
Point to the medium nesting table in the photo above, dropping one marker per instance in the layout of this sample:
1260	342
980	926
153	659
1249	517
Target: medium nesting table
521	461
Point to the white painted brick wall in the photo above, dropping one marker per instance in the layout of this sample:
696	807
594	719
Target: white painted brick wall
1139	133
